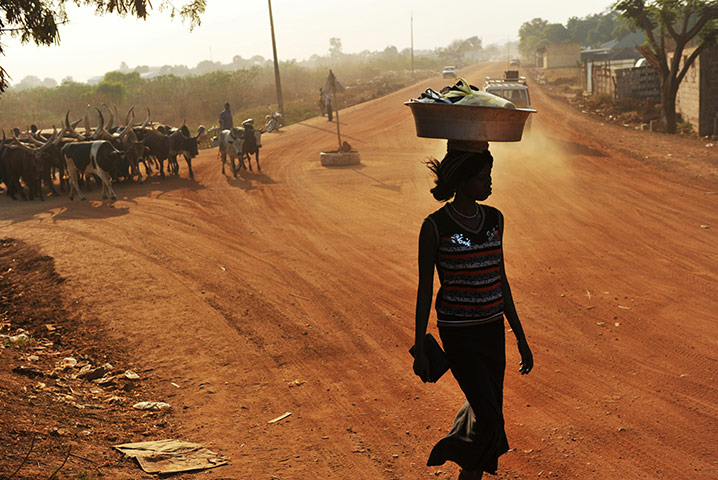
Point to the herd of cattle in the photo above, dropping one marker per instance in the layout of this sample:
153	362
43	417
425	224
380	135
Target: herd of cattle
107	153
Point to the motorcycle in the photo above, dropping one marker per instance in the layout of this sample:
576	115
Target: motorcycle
273	120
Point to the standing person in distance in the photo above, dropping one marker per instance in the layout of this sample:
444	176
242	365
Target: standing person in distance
322	102
328	105
463	241
225	118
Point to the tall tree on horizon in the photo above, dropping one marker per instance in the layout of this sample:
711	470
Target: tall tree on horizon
672	24
38	21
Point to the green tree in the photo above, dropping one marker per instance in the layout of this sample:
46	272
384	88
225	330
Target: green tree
458	49
556	33
111	91
672	24
596	29
531	35
38	21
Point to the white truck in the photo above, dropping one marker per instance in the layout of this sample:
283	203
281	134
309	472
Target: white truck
511	87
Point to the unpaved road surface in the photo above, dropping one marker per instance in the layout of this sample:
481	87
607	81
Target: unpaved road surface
293	291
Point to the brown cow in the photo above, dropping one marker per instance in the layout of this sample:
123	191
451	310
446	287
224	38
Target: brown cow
21	161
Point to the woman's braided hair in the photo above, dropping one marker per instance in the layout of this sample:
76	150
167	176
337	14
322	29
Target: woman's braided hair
456	166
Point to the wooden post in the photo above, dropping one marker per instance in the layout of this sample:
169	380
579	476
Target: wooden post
333	85
412	44
277	82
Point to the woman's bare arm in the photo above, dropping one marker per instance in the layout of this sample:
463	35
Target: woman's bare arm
527	359
427	260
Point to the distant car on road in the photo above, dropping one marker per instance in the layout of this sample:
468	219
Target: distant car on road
512	87
449	71
514	63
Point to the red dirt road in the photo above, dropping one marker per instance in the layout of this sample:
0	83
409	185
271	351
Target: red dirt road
293	291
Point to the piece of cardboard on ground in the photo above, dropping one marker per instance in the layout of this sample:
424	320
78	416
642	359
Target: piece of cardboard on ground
171	456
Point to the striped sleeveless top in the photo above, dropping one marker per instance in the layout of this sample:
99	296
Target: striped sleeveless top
468	263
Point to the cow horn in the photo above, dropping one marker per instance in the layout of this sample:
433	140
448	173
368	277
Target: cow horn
71	127
58	139
101	126
50	141
107	135
22	145
125	131
131	111
147	120
33	139
87	122
130	118
108	125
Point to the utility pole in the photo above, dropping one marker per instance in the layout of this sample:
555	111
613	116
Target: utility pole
277	82
412	44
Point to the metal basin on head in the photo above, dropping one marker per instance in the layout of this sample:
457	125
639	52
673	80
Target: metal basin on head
469	122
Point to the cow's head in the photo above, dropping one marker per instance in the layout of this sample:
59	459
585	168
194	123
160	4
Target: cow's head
37	155
236	133
120	164
202	135
191	146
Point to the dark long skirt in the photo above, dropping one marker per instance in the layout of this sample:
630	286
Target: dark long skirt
478	359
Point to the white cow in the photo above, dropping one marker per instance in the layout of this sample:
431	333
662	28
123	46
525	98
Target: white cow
230	144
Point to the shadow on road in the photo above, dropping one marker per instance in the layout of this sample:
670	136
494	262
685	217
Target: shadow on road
239	182
357	169
62	208
330	130
575	148
260	177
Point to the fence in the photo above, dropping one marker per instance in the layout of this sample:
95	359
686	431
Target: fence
600	77
639	83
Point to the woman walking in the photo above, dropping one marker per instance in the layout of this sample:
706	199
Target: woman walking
463	241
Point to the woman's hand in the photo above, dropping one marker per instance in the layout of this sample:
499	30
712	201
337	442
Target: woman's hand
421	366
527	358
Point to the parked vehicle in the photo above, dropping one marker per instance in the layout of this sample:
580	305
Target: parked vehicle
449	71
273	120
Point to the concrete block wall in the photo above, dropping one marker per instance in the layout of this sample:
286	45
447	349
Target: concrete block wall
689	92
562	55
709	92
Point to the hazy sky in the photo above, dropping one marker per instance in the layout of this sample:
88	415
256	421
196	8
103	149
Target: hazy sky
91	45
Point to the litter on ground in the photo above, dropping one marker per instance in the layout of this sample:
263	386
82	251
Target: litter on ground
171	456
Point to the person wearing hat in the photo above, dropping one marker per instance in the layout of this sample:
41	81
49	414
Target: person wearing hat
463	241
225	118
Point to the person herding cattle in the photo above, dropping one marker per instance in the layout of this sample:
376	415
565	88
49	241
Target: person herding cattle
225	118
